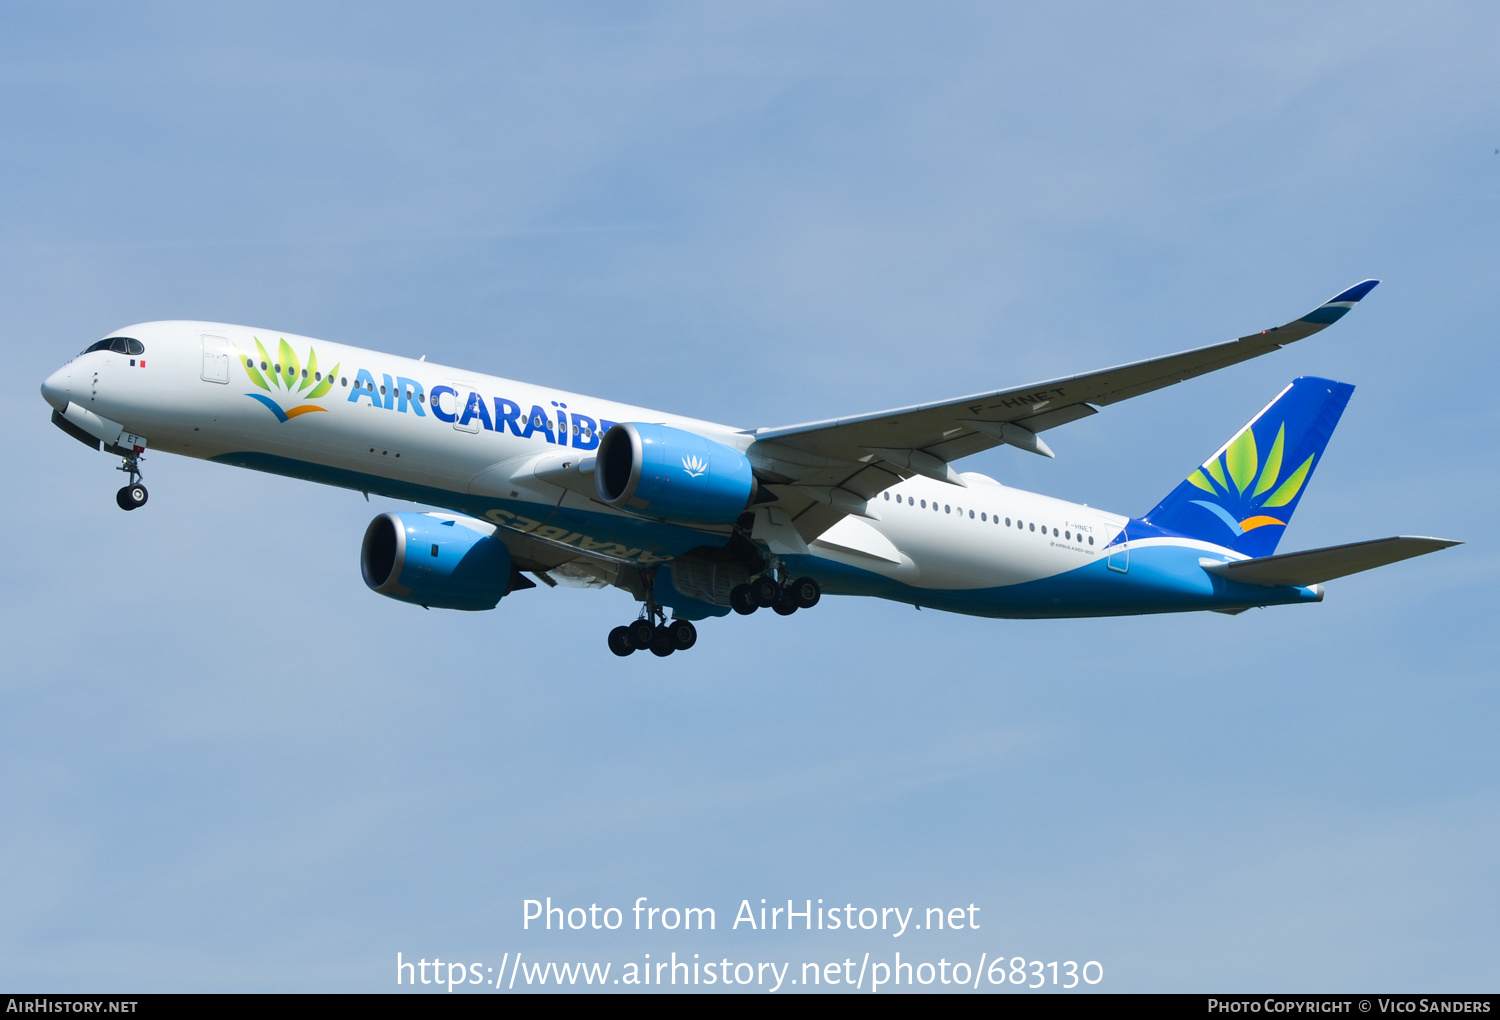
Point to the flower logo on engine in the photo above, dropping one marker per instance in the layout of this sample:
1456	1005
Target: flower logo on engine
694	466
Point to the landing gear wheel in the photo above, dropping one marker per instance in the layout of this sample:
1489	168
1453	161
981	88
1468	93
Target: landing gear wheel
684	634
662	643
620	642
742	600
131	496
766	591
805	592
785	605
641	633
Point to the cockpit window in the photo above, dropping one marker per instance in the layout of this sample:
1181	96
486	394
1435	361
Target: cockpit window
118	344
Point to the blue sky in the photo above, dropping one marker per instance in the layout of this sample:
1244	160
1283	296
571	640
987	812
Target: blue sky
224	764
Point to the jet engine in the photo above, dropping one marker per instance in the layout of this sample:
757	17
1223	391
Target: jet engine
439	562
672	475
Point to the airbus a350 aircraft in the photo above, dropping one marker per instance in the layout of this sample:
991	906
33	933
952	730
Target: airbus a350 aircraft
698	518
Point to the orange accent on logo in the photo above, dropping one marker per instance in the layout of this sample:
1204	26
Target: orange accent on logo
1248	524
305	408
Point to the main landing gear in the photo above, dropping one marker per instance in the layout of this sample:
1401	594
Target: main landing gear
765	593
661	638
133	495
652	630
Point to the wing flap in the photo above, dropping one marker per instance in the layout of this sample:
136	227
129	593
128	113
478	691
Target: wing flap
1314	566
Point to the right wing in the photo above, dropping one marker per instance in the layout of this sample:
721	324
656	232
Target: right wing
826	469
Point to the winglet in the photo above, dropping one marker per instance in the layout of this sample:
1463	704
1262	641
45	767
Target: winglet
1335	309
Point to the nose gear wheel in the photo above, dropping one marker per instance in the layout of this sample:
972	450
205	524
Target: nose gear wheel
134	495
131	497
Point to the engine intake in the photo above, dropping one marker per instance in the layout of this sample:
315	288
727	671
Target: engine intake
437	562
672	475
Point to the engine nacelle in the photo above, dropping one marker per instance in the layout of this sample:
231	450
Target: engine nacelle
672	475
435	561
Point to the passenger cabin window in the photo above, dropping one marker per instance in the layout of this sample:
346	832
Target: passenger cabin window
117	344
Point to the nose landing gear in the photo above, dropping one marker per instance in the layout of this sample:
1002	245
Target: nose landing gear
131	496
134	495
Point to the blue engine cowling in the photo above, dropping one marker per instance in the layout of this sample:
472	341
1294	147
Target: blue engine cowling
437	562
672	475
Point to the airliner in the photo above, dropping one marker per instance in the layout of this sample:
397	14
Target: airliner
696	519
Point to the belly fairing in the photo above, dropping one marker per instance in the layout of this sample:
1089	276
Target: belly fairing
1160	579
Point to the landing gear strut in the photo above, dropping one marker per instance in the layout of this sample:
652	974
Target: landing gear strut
653	631
133	495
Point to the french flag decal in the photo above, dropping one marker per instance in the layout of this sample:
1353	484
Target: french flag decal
133	363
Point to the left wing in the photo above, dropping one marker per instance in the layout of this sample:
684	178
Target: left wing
832	468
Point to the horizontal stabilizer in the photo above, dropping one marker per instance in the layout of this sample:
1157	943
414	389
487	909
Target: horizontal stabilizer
1313	566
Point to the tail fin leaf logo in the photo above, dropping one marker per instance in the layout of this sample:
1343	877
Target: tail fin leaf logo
1238	477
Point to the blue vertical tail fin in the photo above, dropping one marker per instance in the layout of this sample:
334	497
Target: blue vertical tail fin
1244	495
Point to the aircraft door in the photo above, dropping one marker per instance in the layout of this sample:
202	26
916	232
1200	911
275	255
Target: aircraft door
459	403
215	359
1119	555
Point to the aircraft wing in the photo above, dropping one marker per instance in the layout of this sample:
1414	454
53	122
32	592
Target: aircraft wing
833	467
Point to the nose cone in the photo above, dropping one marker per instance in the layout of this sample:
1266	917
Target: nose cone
56	390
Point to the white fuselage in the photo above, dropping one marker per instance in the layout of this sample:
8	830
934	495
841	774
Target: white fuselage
474	443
